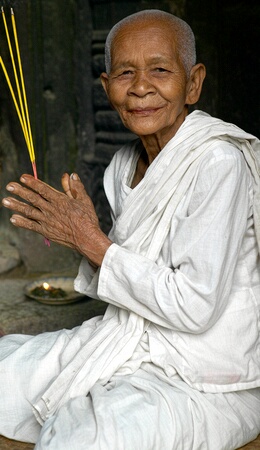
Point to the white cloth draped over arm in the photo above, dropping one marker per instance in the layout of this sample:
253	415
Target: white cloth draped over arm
201	250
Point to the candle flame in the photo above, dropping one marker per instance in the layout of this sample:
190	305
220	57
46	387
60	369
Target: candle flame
46	286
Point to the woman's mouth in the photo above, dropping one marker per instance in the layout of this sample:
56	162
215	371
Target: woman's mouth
144	111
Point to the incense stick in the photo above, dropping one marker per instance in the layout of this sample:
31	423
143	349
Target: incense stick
14	99
31	147
16	79
22	108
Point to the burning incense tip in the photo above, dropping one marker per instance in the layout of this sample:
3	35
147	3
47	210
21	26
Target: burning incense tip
34	170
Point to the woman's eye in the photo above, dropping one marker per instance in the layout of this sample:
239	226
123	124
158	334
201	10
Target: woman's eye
160	69
123	74
127	72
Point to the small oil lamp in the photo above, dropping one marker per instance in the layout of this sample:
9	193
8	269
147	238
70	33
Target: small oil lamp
48	291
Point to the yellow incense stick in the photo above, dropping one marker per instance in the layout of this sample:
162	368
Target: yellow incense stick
16	78
31	147
14	99
22	112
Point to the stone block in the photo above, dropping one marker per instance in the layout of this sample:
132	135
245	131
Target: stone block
118	138
9	256
105	152
100	100
38	257
108	121
98	64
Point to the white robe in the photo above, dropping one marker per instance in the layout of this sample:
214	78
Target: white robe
186	257
183	283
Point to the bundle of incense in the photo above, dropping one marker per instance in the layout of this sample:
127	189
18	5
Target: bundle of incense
20	103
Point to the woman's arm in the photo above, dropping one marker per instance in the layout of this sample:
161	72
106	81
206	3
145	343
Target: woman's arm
191	292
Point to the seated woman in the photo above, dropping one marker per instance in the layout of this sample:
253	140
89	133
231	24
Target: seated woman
174	362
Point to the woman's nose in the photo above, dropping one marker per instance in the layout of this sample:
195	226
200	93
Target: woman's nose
141	84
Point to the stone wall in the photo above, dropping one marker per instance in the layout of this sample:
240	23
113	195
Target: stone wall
55	44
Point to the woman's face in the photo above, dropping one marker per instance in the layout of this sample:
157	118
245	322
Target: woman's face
147	84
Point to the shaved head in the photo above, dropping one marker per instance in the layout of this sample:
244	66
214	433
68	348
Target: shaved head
181	30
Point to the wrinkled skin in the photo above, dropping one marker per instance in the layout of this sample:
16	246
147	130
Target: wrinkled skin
67	218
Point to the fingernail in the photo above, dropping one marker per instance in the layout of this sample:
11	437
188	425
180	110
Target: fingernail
12	220
9	188
23	180
6	202
74	177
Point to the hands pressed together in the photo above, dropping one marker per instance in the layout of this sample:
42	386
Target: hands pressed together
67	218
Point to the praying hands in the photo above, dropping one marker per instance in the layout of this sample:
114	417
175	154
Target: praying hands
67	218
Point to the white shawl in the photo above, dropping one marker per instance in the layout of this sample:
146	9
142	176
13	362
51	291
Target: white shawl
143	224
141	227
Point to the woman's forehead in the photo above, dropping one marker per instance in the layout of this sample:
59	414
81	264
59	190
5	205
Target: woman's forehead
139	31
155	42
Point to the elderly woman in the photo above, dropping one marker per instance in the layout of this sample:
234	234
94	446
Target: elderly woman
174	363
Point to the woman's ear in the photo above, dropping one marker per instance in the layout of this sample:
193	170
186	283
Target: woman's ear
104	81
195	82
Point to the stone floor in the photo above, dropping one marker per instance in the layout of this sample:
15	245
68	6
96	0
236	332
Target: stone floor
7	444
20	314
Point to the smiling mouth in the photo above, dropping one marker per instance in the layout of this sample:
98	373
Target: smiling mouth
144	111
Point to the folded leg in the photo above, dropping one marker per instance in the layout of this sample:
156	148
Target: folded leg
141	412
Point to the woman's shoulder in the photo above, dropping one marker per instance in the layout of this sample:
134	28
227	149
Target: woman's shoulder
222	152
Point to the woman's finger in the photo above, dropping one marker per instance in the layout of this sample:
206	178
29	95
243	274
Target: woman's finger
38	186
23	208
65	182
26	194
77	188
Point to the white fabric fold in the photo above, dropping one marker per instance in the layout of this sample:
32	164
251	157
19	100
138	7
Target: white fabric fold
111	344
169	177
